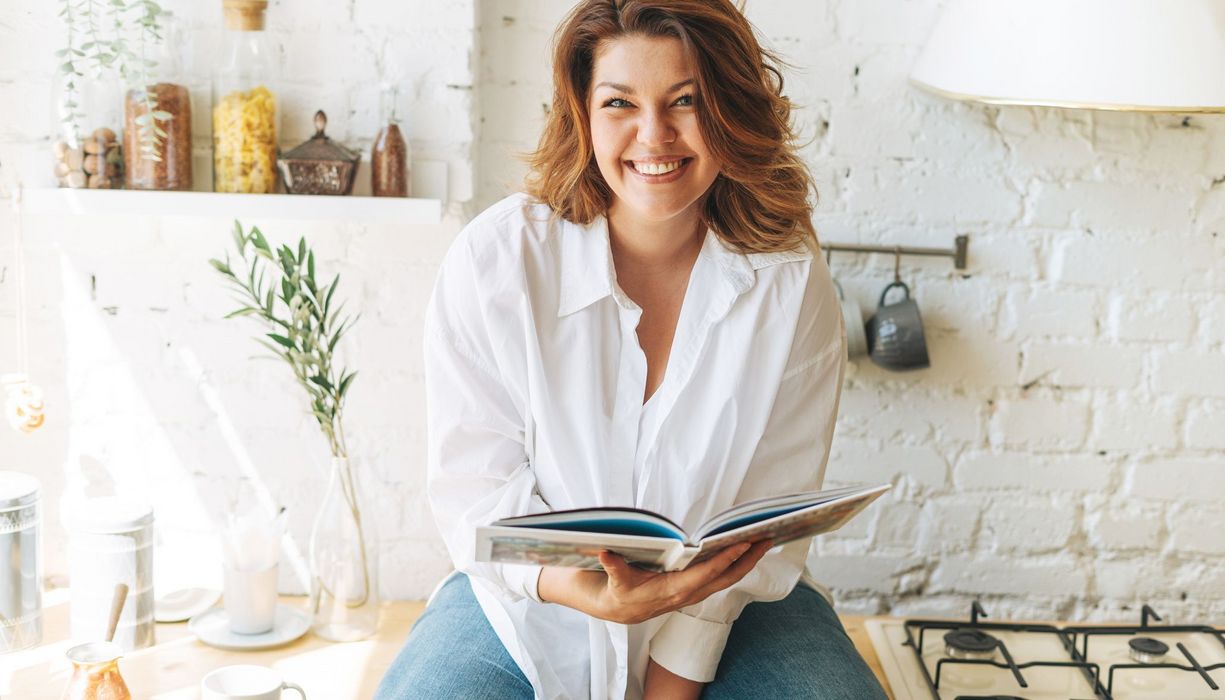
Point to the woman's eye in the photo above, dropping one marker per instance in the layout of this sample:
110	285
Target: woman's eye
685	100
617	102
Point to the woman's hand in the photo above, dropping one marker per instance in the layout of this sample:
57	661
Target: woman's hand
629	595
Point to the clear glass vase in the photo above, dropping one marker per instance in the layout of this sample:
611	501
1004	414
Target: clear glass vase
344	561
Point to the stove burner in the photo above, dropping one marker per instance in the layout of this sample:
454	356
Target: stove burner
970	644
1147	650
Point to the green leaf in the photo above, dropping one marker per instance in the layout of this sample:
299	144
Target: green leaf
244	311
322	381
261	243
240	240
345	382
301	249
268	302
281	340
221	267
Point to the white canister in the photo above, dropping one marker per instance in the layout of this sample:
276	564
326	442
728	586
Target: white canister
111	542
21	618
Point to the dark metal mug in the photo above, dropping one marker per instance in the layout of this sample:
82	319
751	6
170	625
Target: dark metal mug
895	333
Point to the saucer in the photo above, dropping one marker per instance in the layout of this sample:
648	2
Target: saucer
213	628
184	604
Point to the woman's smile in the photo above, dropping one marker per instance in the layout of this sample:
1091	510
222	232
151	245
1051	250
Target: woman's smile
659	171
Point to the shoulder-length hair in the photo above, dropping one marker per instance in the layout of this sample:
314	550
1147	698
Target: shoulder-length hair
760	200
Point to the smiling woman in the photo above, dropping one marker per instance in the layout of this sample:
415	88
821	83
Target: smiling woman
648	327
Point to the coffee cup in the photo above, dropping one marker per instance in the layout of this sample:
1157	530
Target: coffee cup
245	682
895	333
250	600
852	319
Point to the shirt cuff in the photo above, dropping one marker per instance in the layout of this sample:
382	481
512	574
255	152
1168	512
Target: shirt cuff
522	579
690	647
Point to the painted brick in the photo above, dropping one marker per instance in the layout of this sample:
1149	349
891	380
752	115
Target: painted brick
949	524
1190	372
1064	365
1041	423
1049	576
1036	473
1195	528
1152	318
1126	526
1028	526
1168	261
1119	426
870	573
1206	426
858	462
1044	312
1178	479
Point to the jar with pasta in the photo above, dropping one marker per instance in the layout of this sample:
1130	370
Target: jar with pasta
245	115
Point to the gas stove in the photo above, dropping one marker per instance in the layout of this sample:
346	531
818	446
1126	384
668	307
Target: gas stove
977	660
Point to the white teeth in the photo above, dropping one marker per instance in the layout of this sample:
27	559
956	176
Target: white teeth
657	168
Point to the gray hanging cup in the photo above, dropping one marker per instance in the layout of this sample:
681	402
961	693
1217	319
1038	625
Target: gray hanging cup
895	333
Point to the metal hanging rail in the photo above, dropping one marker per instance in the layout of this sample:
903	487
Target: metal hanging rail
958	252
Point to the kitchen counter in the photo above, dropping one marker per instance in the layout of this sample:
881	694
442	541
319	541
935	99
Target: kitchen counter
172	669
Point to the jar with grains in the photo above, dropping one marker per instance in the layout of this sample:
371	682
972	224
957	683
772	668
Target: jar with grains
157	121
86	146
245	115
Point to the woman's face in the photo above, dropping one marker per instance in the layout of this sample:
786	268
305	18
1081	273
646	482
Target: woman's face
644	127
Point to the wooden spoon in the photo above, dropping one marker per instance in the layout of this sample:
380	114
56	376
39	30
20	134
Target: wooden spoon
117	602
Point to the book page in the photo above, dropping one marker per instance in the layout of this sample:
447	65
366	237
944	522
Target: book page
806	522
579	550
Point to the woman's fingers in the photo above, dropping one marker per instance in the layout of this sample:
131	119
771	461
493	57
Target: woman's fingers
738	570
702	573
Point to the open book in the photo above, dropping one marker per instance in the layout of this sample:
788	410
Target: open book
575	538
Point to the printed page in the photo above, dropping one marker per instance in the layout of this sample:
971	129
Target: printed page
579	550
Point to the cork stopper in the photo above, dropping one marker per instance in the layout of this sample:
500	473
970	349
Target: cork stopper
244	15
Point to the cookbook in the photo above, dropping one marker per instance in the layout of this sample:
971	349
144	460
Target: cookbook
575	538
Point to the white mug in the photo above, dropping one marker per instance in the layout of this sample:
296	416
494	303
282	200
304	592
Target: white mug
245	683
250	600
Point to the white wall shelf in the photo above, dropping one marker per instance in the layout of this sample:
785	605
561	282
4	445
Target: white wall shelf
388	210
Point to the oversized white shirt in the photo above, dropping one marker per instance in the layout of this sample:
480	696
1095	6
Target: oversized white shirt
535	383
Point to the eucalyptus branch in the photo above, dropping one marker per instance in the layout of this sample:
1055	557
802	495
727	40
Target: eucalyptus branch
111	50
302	327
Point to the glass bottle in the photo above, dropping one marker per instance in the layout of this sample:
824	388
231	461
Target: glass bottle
389	155
157	149
87	148
344	561
245	115
95	673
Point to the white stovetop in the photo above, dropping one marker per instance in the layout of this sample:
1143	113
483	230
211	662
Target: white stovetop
902	669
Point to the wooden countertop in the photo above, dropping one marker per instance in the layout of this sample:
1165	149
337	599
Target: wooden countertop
172	669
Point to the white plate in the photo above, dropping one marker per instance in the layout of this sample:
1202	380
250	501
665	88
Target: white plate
184	604
213	628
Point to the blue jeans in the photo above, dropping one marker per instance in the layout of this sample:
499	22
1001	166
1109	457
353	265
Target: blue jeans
791	648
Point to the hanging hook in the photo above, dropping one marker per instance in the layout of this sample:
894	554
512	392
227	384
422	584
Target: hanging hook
829	257
897	264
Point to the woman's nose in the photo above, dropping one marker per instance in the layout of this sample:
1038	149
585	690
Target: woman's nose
654	129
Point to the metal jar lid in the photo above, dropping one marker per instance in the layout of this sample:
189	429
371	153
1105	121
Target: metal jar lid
109	515
17	490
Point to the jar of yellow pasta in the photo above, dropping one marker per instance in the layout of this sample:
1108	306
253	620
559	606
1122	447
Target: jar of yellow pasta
245	115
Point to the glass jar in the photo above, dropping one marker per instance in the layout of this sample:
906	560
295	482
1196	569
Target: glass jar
86	146
344	559
245	115
157	148
389	155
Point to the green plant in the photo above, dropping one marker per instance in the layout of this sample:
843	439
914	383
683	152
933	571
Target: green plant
113	35
302	326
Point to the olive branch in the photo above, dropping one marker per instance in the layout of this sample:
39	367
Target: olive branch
302	326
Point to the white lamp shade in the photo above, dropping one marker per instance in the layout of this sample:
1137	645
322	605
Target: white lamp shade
1144	55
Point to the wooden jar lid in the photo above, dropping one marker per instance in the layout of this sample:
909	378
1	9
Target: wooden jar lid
244	15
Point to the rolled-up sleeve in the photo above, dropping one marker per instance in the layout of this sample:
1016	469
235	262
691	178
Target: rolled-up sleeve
790	457
478	467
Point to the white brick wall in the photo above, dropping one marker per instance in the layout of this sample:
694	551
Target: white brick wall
1067	439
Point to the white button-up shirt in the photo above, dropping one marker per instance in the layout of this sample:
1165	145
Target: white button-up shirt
535	381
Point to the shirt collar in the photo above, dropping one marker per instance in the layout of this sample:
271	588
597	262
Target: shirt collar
588	275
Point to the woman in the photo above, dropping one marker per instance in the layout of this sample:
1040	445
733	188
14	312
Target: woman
648	326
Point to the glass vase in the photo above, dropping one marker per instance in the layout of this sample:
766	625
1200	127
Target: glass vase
344	561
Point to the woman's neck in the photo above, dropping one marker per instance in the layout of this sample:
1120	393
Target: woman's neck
647	246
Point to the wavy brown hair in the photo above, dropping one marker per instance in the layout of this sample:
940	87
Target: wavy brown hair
760	200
